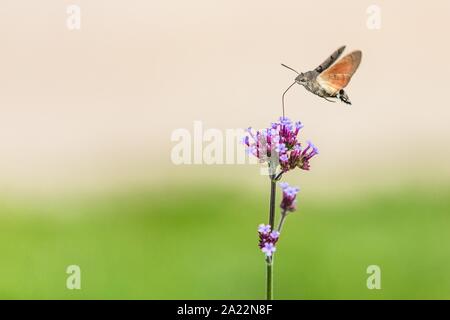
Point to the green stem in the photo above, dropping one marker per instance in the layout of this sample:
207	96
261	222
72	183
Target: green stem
280	224
269	283
272	202
269	260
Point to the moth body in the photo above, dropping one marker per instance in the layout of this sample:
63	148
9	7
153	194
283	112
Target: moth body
328	80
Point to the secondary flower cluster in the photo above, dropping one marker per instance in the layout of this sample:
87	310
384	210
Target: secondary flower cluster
289	201
279	144
267	239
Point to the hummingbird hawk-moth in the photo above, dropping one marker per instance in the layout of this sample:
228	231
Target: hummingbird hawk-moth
327	80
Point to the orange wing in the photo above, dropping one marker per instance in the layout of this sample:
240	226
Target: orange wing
338	76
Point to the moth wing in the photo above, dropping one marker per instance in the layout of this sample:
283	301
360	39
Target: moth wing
338	76
330	60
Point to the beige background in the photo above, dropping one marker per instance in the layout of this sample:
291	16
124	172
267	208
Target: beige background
95	108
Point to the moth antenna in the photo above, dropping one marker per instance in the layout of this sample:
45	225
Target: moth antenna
290	68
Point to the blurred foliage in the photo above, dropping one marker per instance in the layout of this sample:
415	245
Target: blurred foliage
201	243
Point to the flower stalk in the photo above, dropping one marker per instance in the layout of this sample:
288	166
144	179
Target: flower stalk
269	281
283	217
273	191
269	259
278	147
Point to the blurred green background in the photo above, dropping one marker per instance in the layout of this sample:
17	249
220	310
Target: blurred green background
201	243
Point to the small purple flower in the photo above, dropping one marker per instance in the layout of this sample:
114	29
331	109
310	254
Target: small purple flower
281	148
310	151
265	229
283	185
269	248
289	201
285	121
274	235
298	126
267	239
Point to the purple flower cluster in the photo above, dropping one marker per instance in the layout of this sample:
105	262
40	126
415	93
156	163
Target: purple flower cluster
289	201
267	239
280	143
298	157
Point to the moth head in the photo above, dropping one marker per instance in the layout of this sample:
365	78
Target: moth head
301	78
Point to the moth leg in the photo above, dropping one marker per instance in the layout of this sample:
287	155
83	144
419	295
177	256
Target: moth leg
329	100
